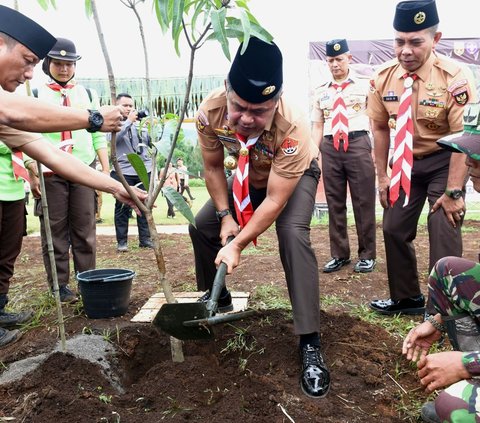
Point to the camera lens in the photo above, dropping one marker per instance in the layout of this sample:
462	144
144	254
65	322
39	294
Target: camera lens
142	114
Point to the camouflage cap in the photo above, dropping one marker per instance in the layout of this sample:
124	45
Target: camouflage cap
464	142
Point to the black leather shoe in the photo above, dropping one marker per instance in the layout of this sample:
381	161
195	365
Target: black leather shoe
335	264
429	414
414	305
364	266
315	378
224	302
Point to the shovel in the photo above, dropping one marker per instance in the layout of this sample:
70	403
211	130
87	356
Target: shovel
194	320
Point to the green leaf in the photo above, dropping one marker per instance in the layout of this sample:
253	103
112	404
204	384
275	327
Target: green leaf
255	30
218	25
178	6
245	28
179	202
137	163
161	11
88	8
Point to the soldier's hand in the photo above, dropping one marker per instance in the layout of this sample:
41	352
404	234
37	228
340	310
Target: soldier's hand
419	340
441	369
112	118
229	228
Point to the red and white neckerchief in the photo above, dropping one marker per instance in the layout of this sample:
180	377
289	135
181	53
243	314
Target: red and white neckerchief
339	117
19	170
403	144
66	142
241	195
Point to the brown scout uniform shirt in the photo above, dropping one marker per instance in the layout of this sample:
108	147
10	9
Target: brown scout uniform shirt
285	146
355	97
438	99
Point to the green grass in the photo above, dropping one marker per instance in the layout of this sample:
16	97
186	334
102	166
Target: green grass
159	214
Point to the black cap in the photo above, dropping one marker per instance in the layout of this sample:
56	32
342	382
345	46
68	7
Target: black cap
412	16
64	50
27	32
256	75
468	143
336	47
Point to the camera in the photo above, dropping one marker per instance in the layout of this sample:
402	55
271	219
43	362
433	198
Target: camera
142	114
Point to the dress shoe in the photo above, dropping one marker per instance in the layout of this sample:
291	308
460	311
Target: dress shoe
8	320
224	302
315	378
146	244
364	266
429	414
9	336
335	264
413	305
122	247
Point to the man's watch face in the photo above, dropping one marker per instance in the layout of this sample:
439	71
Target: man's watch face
454	193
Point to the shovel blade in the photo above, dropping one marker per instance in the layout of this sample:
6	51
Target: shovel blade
170	319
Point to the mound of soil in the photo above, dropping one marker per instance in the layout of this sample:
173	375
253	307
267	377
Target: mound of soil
248	373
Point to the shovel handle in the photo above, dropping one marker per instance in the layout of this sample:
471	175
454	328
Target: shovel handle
218	284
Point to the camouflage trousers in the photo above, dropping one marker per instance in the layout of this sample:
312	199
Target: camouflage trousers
454	289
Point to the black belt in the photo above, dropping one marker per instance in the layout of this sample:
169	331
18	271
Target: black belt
426	156
351	135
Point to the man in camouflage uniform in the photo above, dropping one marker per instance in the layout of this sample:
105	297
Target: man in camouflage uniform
454	284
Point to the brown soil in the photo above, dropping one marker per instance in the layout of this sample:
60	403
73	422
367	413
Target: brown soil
256	383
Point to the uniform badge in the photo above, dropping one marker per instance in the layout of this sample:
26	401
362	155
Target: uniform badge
356	107
202	121
337	47
392	123
461	96
326	113
419	18
433	126
230	162
432	113
429	86
289	146
268	90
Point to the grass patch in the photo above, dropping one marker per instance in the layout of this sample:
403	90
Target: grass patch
270	297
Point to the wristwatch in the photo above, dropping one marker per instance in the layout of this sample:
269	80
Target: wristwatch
95	119
454	193
222	213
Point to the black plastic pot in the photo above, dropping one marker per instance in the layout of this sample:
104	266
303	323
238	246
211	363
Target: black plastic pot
105	292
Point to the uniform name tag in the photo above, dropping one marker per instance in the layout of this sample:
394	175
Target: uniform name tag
390	98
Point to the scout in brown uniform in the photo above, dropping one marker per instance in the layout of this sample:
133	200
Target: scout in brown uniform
353	166
283	177
440	91
22	44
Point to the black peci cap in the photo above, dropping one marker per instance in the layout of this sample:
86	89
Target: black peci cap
256	75
27	32
412	16
64	50
335	48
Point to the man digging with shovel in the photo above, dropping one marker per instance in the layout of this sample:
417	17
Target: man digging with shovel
276	178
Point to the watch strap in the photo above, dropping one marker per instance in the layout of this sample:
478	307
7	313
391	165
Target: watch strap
222	213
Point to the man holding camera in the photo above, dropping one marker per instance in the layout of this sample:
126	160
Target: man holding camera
131	140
